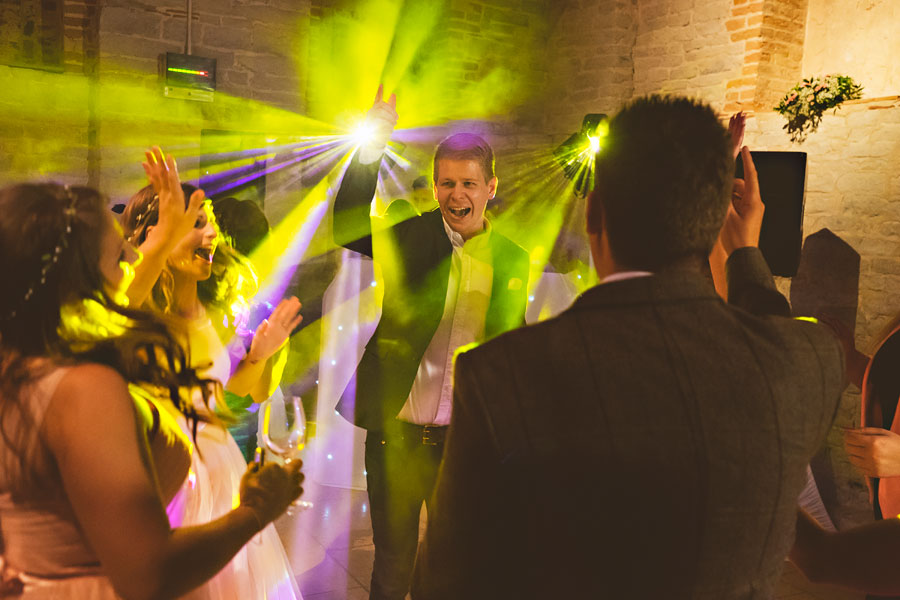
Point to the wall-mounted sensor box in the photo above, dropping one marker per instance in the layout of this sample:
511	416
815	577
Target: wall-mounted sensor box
188	77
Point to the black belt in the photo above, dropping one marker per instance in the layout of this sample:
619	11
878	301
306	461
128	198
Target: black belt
428	435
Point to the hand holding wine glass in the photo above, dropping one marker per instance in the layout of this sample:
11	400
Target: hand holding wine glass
269	490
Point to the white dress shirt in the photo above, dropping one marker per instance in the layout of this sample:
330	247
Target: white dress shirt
465	310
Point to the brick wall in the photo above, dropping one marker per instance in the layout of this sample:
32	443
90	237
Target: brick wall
772	34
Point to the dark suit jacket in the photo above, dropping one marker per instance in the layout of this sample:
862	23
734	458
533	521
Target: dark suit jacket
415	259
649	442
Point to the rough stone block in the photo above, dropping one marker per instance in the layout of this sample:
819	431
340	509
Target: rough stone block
274	39
233	77
263	63
679	19
113	44
657	74
648	11
224	58
300	7
688	71
126	21
175	30
265	14
886	266
289	101
715	66
862	184
274	82
224	37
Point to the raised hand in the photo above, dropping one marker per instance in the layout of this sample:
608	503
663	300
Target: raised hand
874	451
274	331
381	118
269	490
175	220
736	125
744	218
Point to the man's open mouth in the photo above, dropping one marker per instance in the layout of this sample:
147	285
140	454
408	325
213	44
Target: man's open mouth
459	212
204	253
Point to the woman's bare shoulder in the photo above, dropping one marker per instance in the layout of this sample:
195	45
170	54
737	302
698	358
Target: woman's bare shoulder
92	379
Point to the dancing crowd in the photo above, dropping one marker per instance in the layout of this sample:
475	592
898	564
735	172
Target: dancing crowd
650	441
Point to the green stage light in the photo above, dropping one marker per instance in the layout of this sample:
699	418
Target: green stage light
576	154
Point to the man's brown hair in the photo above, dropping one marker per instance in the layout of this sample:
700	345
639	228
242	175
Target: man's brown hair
465	146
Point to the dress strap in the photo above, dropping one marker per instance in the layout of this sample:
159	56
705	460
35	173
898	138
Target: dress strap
154	414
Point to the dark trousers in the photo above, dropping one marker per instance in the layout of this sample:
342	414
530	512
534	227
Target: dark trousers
401	472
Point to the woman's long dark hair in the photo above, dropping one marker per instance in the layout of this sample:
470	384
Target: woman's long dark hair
141	346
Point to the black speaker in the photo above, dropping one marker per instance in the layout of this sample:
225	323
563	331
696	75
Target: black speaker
782	185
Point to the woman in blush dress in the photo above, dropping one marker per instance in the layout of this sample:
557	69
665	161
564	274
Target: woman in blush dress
85	468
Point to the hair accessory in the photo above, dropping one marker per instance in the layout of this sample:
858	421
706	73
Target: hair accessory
51	258
143	216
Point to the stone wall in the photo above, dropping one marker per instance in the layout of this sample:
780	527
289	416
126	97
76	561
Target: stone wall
255	43
258	58
857	38
30	146
683	47
852	187
107	106
853	190
590	63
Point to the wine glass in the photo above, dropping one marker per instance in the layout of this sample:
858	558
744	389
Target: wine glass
283	433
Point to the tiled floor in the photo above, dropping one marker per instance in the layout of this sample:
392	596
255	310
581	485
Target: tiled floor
330	544
331	550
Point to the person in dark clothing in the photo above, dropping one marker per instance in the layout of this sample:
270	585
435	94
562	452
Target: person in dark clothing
449	280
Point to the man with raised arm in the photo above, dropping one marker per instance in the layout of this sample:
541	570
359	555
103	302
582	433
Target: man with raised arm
650	441
450	280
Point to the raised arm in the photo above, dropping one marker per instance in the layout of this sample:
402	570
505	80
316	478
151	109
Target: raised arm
736	126
254	374
100	451
352	204
718	256
750	283
175	221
